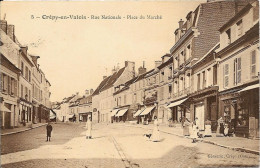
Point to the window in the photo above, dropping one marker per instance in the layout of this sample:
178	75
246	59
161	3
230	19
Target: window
9	84
170	90
29	76
22	67
29	95
5	83
26	93
237	71
239	28
188	52
12	86
228	36
21	91
215	75
203	80
198	82
253	63
226	73
162	76
26	72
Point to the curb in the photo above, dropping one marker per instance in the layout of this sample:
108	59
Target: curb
210	142
9	133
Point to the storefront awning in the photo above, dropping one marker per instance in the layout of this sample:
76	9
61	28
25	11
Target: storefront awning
138	113
250	87
113	113
147	110
176	103
71	115
121	112
4	109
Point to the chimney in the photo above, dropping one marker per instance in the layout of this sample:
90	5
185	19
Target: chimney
157	63
165	57
130	66
24	50
141	70
10	32
113	70
180	24
91	91
34	59
86	92
4	25
104	77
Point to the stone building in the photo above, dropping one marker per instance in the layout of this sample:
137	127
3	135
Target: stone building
238	71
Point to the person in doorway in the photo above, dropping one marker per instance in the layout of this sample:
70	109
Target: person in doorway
89	128
156	134
49	130
195	130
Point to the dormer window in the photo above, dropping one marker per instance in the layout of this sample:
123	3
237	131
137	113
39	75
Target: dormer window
228	32
239	28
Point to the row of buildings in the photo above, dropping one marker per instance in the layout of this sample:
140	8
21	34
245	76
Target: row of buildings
74	108
211	72
25	94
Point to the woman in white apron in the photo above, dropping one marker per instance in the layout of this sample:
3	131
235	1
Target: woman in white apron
195	130
89	128
156	134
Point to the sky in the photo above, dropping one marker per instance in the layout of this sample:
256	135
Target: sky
76	53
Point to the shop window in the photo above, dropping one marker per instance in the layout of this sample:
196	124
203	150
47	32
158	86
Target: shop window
242	119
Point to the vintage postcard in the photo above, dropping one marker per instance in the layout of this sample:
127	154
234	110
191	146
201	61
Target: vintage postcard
129	84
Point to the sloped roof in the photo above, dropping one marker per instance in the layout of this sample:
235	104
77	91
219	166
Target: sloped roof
101	85
68	99
168	62
113	79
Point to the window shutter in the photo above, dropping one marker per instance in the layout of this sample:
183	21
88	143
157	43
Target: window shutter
2	82
226	69
238	70
238	63
226	72
253	62
9	85
15	87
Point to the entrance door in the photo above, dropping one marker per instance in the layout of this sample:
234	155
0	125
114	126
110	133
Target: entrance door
199	113
7	120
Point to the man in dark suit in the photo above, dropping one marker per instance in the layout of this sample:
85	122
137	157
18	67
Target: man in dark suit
49	129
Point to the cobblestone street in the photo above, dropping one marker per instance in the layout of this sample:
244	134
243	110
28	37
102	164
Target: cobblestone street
113	146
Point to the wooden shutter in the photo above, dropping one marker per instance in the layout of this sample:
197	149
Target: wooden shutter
9	84
226	72
253	63
238	70
15	87
2	82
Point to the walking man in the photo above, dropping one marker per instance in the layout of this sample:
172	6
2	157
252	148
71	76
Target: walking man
49	129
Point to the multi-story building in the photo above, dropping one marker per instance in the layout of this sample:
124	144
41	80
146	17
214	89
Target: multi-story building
165	88
9	78
203	98
16	59
193	40
238	71
103	100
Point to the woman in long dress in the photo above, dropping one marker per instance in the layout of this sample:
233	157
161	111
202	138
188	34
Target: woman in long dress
89	128
156	134
195	130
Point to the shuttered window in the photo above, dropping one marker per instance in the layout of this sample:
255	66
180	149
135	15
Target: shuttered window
2	82
253	63
226	75
238	70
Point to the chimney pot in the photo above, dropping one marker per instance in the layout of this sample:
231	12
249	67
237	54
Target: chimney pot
4	26
180	24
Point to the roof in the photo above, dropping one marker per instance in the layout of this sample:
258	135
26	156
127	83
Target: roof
237	16
68	99
101	85
168	62
112	79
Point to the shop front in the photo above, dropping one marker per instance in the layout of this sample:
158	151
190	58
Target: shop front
121	115
25	111
83	116
5	116
179	110
203	105
240	109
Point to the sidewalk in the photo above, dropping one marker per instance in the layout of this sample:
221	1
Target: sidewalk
234	143
20	129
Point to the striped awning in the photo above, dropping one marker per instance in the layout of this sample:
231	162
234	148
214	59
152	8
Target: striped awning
250	87
176	103
114	112
147	110
138	113
121	112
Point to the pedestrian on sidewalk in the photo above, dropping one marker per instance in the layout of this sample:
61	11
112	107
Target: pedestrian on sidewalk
49	129
156	134
195	130
89	128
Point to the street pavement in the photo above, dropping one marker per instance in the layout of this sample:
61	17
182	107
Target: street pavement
113	146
